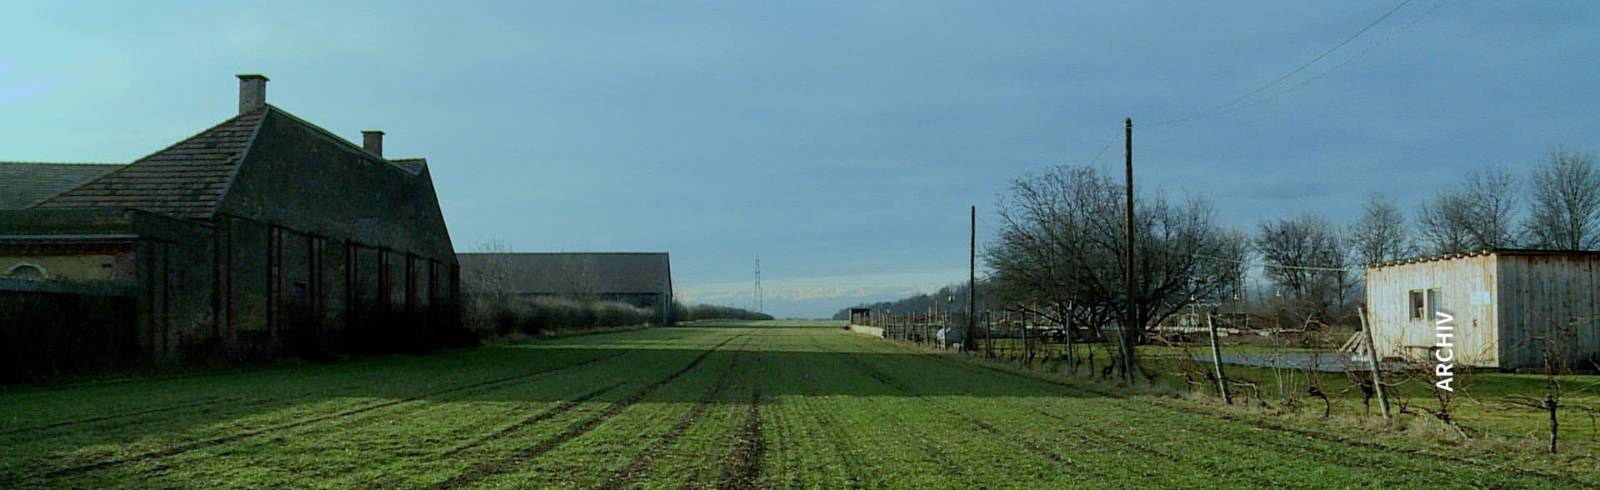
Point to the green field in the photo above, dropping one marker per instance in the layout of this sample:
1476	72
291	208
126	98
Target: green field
728	406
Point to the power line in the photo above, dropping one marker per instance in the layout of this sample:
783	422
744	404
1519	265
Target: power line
1272	266
1285	76
1102	152
1370	48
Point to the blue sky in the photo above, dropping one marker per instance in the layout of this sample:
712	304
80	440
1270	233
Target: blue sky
840	141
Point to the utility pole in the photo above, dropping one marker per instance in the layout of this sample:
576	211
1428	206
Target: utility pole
967	343
760	296
1130	313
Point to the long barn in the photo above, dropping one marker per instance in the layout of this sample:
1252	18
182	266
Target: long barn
1508	308
262	236
642	279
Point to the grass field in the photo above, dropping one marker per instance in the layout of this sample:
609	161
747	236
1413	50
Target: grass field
726	406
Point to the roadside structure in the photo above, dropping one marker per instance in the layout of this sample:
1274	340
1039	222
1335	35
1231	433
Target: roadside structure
1505	308
262	236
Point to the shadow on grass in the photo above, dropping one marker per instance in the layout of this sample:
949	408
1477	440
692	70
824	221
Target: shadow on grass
663	363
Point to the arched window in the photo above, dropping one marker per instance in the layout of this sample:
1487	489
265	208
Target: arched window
26	271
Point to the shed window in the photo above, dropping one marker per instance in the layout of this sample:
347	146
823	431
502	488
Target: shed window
1433	304
1416	304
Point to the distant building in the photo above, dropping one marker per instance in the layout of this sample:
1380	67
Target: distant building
1509	307
262	236
642	279
860	316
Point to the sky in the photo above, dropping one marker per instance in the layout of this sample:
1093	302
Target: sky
841	142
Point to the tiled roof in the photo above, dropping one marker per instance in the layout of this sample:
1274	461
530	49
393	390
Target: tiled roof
25	183
575	273
185	180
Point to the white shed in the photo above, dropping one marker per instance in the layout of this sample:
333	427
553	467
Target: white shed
1507	306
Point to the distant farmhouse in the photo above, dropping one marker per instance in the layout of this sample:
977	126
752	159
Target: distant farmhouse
639	278
1508	307
262	236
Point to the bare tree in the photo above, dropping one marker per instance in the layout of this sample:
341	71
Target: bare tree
489	290
1475	216
1305	257
1060	244
1441	223
1492	194
1566	202
1379	235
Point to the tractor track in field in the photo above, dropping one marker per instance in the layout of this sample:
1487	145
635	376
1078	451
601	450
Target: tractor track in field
640	465
892	382
125	417
743	468
1274	427
559	408
89	420
843	450
1125	442
218	440
575	430
939	455
744	465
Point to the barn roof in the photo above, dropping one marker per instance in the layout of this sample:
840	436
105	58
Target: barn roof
185	180
1487	252
190	178
25	183
576	273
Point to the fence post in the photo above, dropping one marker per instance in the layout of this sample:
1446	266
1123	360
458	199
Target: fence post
1071	368
1216	361
1372	363
1027	352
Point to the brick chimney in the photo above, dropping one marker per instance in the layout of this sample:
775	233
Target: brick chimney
372	141
252	92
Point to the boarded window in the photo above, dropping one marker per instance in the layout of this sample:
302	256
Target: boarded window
1416	303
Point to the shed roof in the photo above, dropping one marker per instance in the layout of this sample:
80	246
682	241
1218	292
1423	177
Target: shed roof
576	273
24	183
1486	252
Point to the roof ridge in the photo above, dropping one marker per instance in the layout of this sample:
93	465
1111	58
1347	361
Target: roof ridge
339	139
64	164
227	186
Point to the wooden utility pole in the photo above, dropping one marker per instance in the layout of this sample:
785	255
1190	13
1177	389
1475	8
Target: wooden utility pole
1372	363
1130	312
967	343
1216	361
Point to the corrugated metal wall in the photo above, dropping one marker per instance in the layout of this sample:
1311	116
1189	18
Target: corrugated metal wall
1465	289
